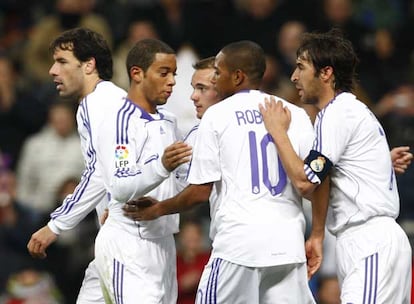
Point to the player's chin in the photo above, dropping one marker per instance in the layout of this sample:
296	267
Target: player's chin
162	101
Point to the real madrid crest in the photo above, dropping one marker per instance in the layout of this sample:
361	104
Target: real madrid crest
318	164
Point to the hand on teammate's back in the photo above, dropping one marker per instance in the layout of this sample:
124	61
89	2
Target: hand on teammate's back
142	209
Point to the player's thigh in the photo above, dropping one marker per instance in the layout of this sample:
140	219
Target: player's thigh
90	291
285	284
381	277
225	282
131	268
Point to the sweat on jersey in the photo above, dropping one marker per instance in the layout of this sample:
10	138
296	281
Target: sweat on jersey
258	219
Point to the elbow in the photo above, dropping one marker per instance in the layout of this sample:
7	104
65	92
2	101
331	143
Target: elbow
305	188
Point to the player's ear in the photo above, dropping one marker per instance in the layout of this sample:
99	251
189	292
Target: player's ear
90	65
326	73
238	77
136	73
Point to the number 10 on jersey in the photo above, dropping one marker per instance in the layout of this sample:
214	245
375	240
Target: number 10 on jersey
267	162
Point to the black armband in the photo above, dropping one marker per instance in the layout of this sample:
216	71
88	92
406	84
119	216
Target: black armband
319	164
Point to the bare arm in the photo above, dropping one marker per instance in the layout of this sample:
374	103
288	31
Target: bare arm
133	181
146	208
277	119
40	241
314	244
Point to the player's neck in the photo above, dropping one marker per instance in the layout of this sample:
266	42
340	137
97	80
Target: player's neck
326	96
142	102
90	85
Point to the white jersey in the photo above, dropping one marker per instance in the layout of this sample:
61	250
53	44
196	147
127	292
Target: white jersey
92	112
131	147
182	175
363	182
258	218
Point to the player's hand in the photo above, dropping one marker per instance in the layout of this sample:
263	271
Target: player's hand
276	117
401	158
314	254
176	154
39	242
142	209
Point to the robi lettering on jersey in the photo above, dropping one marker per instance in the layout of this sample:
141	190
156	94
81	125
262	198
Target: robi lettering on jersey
248	117
121	156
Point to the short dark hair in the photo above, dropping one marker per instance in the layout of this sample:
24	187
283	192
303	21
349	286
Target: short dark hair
247	56
334	50
205	63
86	44
143	53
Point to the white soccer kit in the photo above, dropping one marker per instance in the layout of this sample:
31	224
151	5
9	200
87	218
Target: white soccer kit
91	191
258	214
363	204
181	173
136	259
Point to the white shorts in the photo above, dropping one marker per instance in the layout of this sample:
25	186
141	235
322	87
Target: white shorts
374	263
90	291
223	282
135	270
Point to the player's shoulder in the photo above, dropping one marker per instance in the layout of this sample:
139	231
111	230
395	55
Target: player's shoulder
109	90
344	100
346	105
167	115
191	135
106	96
294	109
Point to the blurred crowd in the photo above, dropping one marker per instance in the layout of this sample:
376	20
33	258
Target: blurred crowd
41	160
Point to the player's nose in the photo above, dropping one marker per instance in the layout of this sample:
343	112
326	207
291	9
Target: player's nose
53	70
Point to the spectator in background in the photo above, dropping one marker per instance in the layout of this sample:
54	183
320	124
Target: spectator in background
396	110
74	246
16	226
31	286
287	42
259	21
20	114
386	67
58	156
171	13
137	30
15	21
339	13
380	14
68	14
191	258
